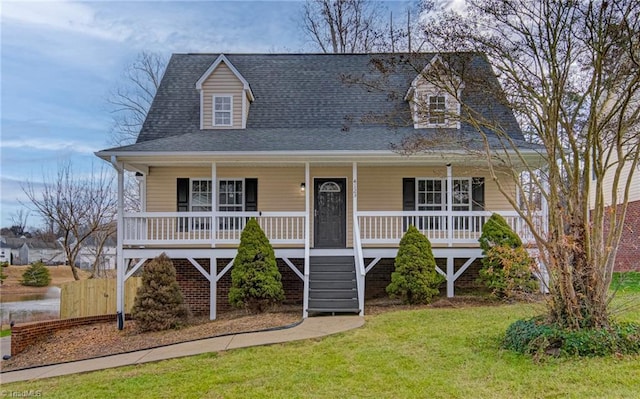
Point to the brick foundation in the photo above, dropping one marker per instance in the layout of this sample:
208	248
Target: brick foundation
25	335
195	287
380	276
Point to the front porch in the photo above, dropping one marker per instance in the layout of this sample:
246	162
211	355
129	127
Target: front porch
368	229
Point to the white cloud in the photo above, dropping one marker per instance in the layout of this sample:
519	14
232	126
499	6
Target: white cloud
48	145
78	18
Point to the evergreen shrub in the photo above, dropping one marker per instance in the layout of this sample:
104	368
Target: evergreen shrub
36	275
159	304
415	279
507	269
256	282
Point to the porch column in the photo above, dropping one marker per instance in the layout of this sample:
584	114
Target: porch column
142	191
450	277
214	203
356	239
120	266
449	206
213	287
307	244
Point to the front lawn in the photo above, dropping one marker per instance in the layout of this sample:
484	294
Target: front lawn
628	282
434	352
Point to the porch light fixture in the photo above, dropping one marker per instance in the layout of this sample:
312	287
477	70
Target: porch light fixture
302	187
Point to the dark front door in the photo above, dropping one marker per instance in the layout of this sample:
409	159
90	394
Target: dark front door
330	209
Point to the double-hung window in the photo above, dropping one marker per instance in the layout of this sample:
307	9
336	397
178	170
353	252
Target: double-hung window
231	199
437	107
200	202
222	110
432	196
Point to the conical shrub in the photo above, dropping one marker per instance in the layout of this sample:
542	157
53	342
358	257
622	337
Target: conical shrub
159	304
256	282
415	279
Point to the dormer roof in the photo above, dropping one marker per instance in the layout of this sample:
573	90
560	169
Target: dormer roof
221	58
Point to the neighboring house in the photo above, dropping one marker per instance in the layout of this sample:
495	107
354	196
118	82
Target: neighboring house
89	251
5	252
284	138
25	251
628	255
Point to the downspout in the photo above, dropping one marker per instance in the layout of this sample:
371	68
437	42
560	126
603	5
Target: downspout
119	167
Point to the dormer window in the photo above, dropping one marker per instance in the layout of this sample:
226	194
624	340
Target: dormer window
437	108
222	110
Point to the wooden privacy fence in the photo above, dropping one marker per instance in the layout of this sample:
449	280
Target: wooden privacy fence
95	297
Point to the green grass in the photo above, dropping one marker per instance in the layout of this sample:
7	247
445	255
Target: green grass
434	353
5	333
626	282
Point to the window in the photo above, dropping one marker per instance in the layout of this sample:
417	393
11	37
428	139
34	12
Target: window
230	196
436	110
200	195
230	199
200	202
222	110
432	194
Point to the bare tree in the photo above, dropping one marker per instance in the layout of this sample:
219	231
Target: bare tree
78	208
130	101
19	221
571	73
352	26
100	238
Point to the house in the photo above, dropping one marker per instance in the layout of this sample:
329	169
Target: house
5	252
24	251
294	141
92	248
628	254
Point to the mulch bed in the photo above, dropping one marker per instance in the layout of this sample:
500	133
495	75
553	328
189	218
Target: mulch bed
103	339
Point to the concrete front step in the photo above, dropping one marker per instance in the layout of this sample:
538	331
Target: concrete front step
329	310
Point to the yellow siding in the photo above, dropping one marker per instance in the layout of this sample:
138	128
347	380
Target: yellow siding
634	189
222	82
380	188
278	188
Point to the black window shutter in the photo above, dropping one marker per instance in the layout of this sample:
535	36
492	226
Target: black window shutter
183	195
251	195
477	194
408	200
182	200
408	194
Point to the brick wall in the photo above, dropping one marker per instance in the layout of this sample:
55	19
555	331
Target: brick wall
380	276
195	287
24	335
628	257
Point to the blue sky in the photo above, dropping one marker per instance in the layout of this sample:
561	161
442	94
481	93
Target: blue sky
60	59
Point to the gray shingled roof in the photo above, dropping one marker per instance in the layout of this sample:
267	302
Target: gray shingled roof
303	102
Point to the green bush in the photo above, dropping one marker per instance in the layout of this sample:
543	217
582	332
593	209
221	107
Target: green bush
255	279
4	264
507	269
159	304
36	275
415	279
535	337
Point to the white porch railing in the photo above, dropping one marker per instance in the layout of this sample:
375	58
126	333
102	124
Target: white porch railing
380	227
383	227
147	228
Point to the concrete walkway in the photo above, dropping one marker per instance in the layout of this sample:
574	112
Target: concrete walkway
313	327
